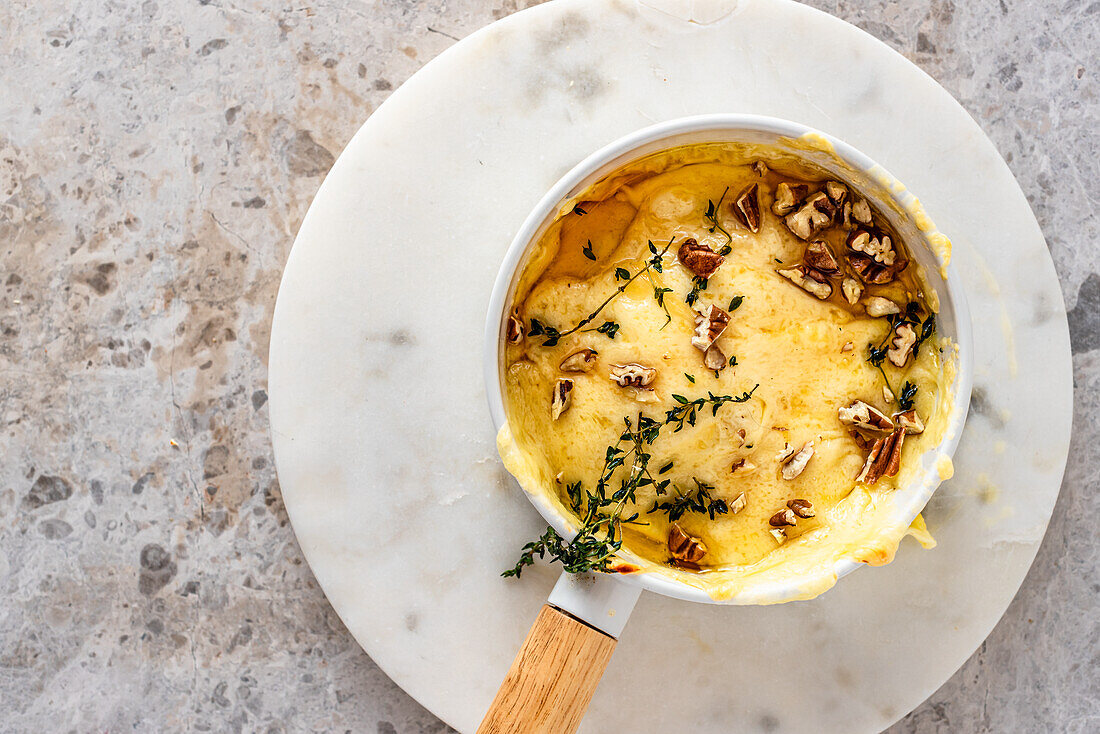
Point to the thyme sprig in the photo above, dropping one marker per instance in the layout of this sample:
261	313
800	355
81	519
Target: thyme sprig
698	501
553	335
600	534
712	217
687	410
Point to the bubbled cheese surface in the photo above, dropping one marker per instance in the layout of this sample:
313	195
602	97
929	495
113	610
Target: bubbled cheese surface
790	353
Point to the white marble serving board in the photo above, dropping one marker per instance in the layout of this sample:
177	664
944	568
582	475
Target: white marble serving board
384	447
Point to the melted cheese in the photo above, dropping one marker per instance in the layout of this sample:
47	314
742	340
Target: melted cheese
789	349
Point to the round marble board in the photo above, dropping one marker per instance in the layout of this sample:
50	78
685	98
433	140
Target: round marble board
382	437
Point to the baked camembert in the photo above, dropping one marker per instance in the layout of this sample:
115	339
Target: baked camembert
718	361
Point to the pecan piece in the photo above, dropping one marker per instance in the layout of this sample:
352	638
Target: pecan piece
796	462
787	197
884	460
808	280
851	289
699	259
865	417
802	508
821	258
902	345
582	360
714	358
515	330
811	217
779	534
877	307
744	466
836	192
861	211
709	325
685	547
562	398
760	168
633	375
747	208
783	518
910	421
871	242
870	271
738	503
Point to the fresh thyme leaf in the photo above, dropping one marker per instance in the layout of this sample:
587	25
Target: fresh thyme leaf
697	284
686	411
587	250
733	360
928	328
905	397
659	297
698	501
550	542
735	304
876	355
689	378
579	212
779	261
608	327
712	217
665	468
553	335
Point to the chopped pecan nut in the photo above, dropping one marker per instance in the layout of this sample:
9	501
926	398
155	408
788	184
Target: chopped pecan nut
760	168
515	331
562	398
902	344
783	518
714	358
633	375
877	307
848	346
738	504
872	272
709	325
747	208
787	197
871	242
811	217
887	394
910	421
808	280
802	508
699	259
836	192
866	417
861	211
795	464
582	360
851	289
685	547
884	460
779	534
744	466
821	258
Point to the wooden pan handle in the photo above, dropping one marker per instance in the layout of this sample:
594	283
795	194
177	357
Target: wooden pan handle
552	679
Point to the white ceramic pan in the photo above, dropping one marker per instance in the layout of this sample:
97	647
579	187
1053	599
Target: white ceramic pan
556	671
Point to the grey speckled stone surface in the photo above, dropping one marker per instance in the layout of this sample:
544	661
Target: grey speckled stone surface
156	159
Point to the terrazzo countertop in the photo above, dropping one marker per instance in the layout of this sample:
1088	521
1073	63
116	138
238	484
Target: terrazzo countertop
156	160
